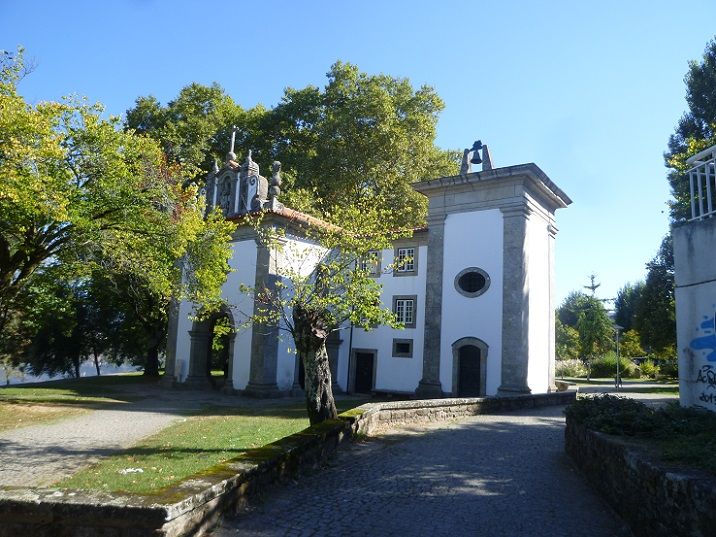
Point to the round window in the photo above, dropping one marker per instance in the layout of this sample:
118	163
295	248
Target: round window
472	282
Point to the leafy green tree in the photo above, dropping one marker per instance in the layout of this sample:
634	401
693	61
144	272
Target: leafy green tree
695	130
586	315
626	304
359	136
655	317
362	135
80	195
630	344
566	340
311	305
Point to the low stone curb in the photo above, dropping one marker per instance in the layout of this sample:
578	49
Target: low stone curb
196	504
653	499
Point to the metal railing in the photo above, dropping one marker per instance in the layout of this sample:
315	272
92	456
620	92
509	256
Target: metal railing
702	184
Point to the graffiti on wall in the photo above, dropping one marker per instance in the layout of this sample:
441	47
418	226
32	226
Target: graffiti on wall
705	345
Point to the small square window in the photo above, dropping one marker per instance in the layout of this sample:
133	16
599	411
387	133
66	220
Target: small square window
402	348
404	309
370	263
405	259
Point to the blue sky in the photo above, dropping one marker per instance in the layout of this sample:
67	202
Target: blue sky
589	91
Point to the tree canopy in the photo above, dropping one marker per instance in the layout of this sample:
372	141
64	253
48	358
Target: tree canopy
655	317
696	129
626	303
81	197
361	136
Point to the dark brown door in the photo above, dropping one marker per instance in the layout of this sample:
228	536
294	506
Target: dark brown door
468	382
364	372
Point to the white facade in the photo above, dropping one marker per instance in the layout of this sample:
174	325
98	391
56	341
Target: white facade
478	302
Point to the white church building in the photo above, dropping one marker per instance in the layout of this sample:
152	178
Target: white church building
476	295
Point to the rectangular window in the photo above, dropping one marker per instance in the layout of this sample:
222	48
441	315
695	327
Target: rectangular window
404	309
402	348
371	263
405	259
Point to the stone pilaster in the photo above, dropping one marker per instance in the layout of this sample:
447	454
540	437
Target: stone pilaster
515	301
171	354
552	235
197	376
429	385
228	386
264	337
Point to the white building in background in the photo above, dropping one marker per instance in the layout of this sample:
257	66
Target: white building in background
476	297
695	276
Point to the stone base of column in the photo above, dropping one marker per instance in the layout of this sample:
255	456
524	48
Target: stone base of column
429	390
511	391
197	382
167	381
228	387
262	391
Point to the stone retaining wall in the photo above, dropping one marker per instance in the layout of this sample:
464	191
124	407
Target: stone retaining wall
656	501
196	504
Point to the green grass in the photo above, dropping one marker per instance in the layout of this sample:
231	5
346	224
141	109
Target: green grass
31	404
192	446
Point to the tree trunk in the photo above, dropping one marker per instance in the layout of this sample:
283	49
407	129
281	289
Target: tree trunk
310	333
151	366
96	363
319	395
76	364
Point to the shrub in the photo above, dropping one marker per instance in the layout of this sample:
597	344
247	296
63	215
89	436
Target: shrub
682	435
606	367
570	368
649	369
670	368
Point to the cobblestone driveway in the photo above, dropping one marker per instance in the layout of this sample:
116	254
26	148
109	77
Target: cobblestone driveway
499	475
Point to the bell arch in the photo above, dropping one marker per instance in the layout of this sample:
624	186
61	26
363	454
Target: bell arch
469	367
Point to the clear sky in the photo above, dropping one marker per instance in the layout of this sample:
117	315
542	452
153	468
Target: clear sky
587	90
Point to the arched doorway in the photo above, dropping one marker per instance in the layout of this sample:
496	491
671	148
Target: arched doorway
212	351
469	367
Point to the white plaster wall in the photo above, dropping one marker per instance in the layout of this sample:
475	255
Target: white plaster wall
696	342
472	239
539	281
297	256
183	341
393	374
243	263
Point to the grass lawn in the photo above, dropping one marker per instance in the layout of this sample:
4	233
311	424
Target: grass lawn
30	404
192	446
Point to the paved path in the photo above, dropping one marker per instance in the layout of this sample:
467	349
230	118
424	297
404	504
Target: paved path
497	475
40	455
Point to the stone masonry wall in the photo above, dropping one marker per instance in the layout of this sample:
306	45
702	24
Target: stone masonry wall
654	500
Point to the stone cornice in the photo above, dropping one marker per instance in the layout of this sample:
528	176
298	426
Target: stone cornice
528	174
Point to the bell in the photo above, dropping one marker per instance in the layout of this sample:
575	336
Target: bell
476	152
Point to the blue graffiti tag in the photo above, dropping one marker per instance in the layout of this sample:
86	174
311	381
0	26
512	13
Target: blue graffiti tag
707	342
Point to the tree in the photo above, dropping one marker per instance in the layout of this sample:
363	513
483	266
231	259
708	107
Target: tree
694	131
626	304
567	341
630	344
585	314
359	136
82	196
655	317
362	135
310	305
595	328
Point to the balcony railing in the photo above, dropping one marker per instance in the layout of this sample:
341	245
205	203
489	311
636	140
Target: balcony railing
702	184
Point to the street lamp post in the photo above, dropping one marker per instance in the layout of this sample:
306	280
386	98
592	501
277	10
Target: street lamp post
617	379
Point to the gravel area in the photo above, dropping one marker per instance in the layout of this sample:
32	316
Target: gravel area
40	455
491	475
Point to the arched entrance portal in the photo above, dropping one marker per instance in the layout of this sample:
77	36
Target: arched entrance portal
469	369
212	351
